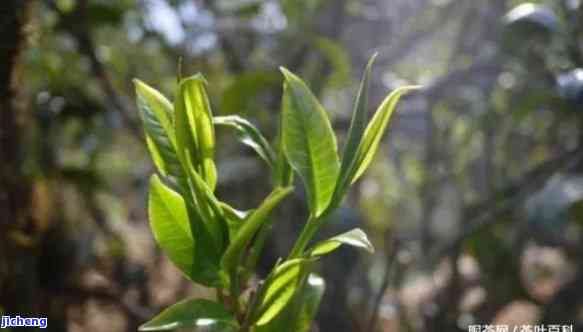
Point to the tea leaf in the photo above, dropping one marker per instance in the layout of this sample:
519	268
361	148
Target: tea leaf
280	288
156	113
356	238
283	174
309	299
309	142
208	207
375	130
195	314
194	128
249	135
355	134
180	233
298	315
170	225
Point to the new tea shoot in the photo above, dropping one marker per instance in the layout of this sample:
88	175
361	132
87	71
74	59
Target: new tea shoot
216	245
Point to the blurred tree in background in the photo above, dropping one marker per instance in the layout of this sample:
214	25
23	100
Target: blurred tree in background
475	202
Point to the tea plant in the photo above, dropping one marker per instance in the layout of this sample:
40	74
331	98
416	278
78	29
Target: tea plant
217	246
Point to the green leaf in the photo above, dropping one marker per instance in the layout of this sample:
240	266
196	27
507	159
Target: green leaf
298	315
357	126
207	257
283	175
356	238
375	130
309	142
179	231
280	287
170	225
249	135
194	128
208	207
156	113
310	298
256	248
196	314
257	218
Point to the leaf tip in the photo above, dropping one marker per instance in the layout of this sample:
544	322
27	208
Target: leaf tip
139	85
154	179
372	59
409	88
366	244
144	327
287	74
197	78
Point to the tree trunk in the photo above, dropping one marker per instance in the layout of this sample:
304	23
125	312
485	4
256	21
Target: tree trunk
17	259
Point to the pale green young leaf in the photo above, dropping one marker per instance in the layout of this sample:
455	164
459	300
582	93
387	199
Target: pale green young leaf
357	126
309	142
356	238
310	298
280	287
283	174
194	127
375	130
156	113
208	207
180	232
207	257
157	104
195	314
170	225
156	156
298	315
249	135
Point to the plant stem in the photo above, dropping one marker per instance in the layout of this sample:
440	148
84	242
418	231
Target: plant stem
308	232
235	292
251	308
256	249
231	258
220	295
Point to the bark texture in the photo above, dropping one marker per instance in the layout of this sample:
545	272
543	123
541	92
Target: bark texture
17	224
